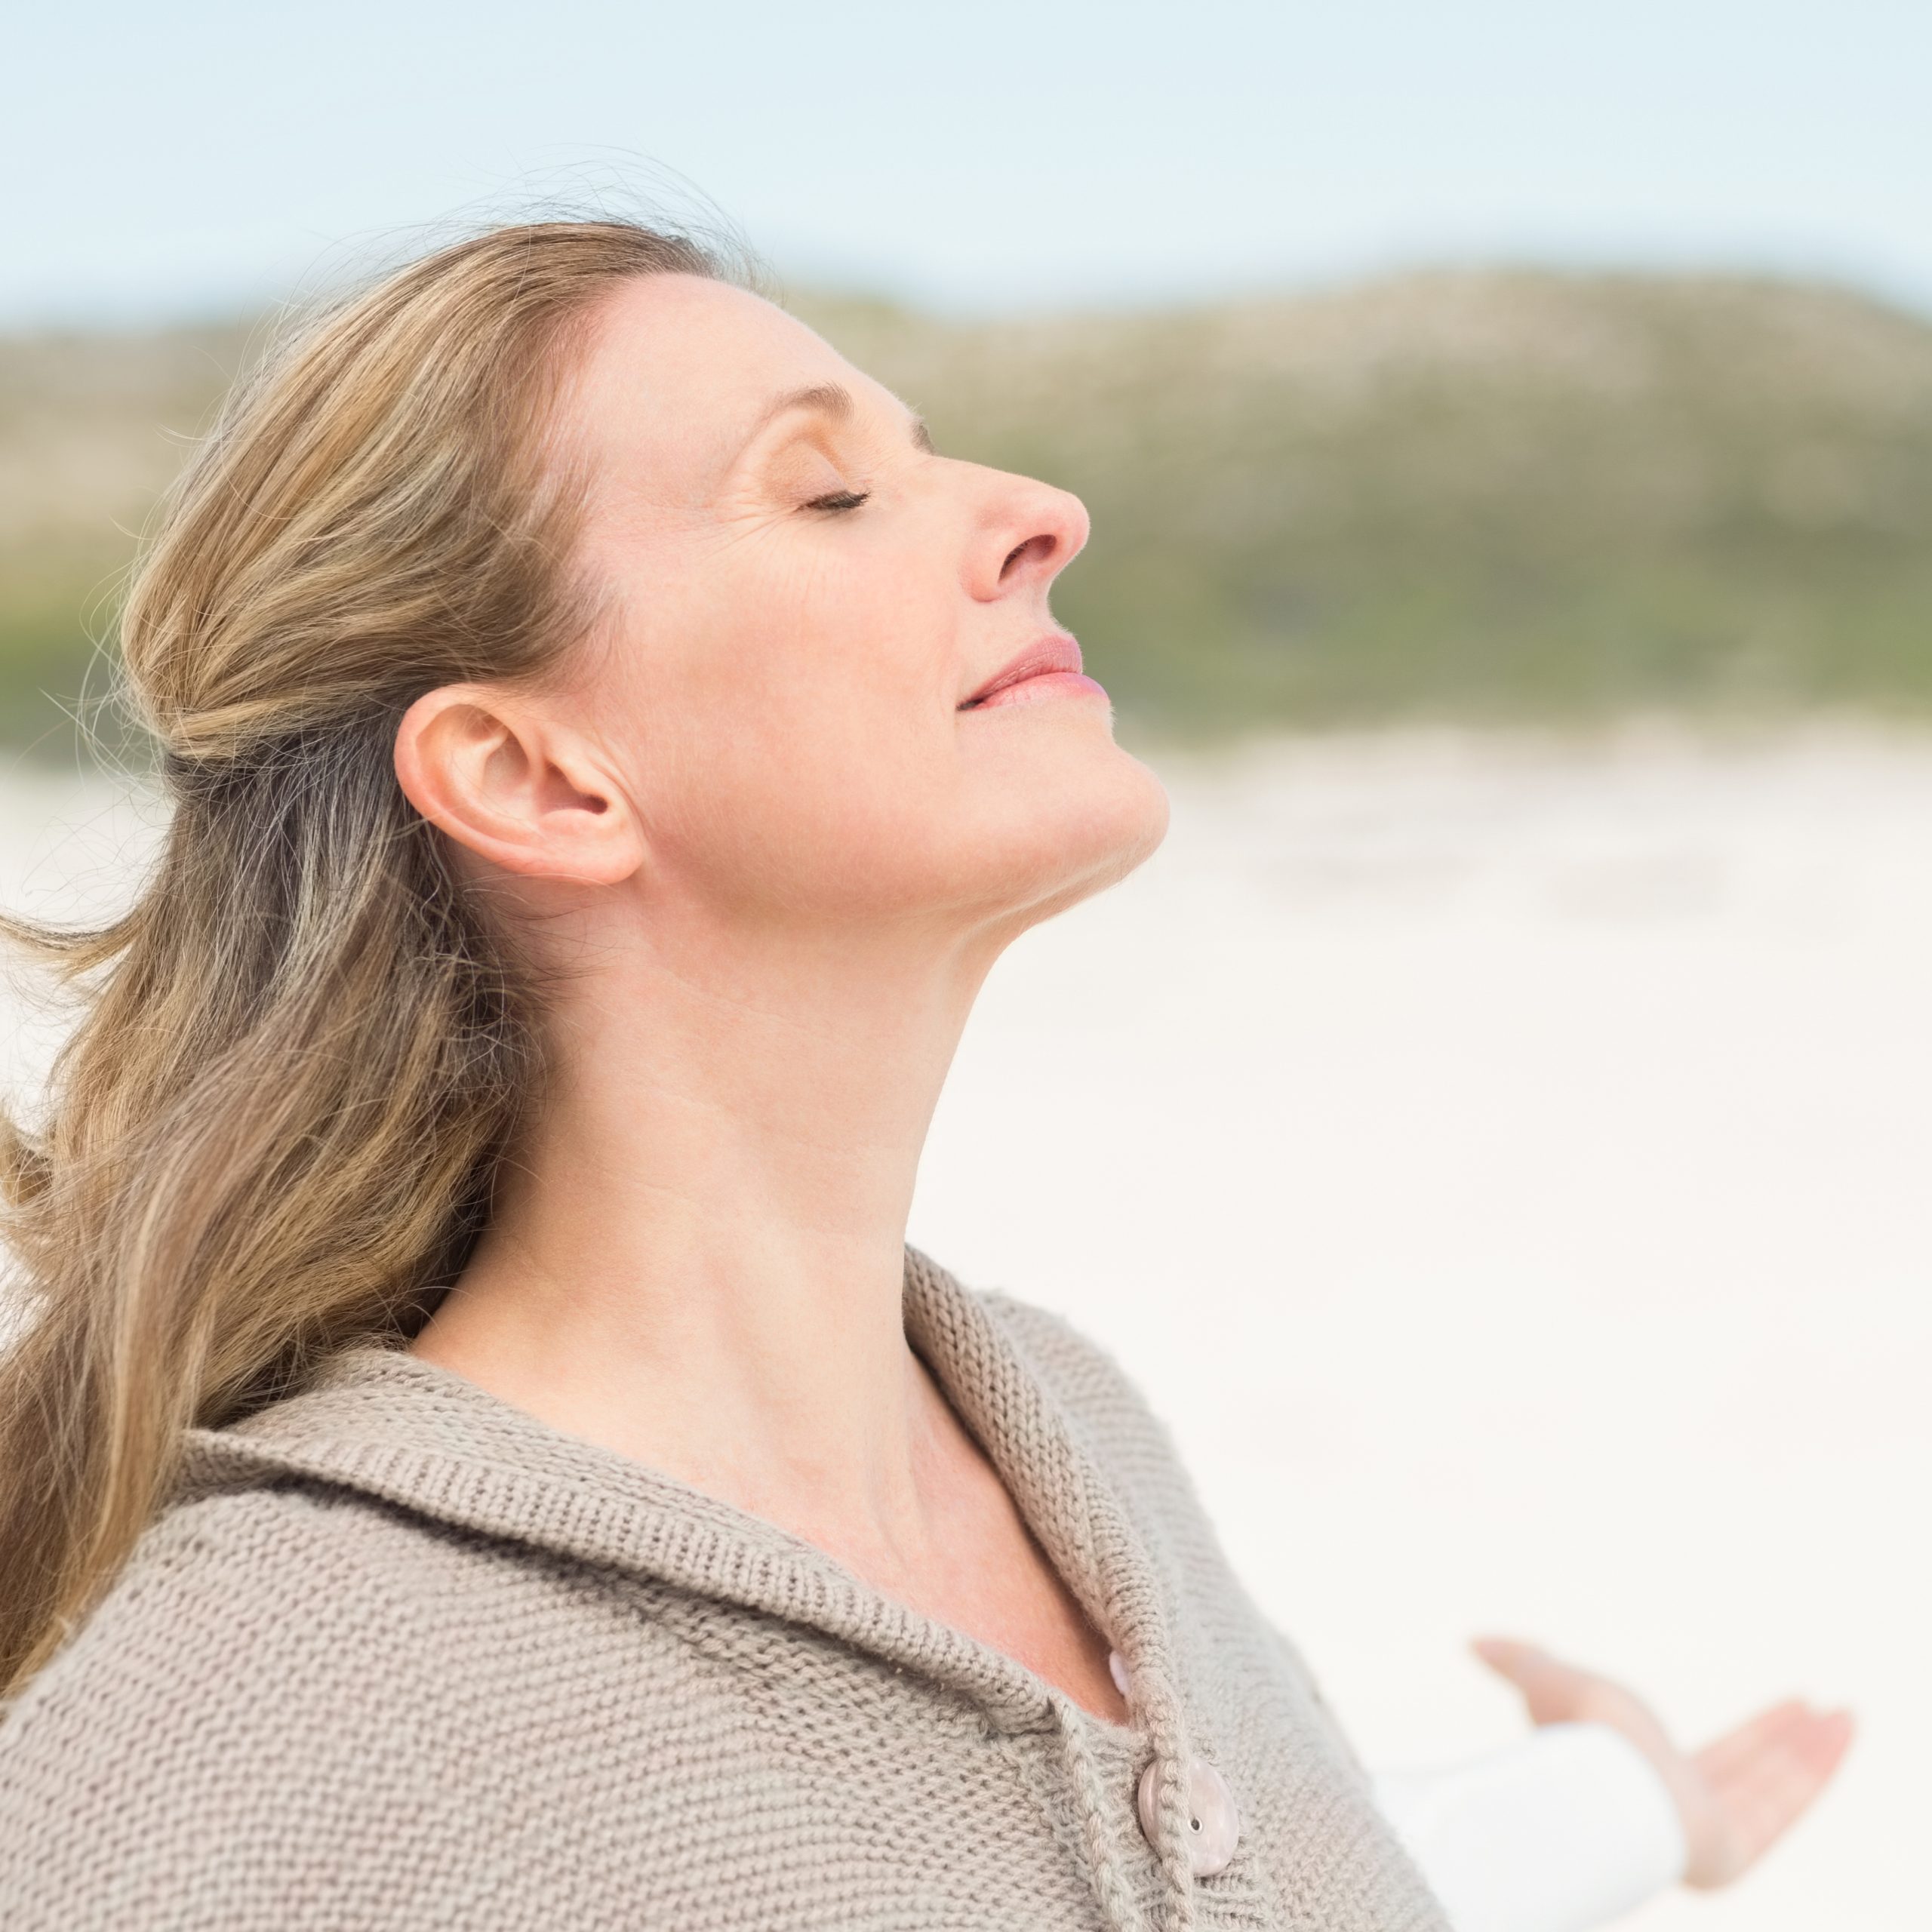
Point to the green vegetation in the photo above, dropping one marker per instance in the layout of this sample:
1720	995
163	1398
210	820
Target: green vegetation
1489	495
91	429
1496	495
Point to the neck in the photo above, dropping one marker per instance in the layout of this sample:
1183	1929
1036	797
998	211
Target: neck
696	1254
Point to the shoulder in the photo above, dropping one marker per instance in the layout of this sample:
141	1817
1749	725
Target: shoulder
230	1680
207	1570
221	1592
246	1579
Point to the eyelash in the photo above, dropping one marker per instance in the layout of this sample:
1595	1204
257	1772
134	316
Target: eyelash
839	499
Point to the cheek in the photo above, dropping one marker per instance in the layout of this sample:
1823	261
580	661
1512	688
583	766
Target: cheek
790	732
790	739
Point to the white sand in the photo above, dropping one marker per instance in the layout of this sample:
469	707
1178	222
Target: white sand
1504	1163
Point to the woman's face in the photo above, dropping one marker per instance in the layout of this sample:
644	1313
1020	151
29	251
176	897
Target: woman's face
812	674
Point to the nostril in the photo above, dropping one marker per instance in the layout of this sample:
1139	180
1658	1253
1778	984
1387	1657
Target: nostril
1035	550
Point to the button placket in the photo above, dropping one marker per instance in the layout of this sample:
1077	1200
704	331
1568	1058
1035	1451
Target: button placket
1213	1819
1214	1823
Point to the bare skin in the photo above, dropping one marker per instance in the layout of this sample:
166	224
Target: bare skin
775	859
1737	1797
770	837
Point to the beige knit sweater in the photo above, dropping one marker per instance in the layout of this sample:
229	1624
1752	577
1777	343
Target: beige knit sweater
398	1656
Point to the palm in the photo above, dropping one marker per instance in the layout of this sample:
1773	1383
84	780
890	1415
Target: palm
1736	1796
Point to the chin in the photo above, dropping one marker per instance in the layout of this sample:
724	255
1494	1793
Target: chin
1069	820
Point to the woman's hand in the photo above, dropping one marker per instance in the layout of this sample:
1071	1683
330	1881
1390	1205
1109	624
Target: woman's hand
1735	1796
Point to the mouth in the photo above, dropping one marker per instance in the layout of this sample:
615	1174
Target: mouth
1048	668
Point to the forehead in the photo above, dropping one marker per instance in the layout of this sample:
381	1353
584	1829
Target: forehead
685	367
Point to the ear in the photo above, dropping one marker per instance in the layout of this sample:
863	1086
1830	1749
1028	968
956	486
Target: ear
525	792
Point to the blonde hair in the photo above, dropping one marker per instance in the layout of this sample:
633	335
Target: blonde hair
303	1051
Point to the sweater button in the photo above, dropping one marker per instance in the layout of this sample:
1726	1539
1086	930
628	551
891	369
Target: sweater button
1213	1825
1117	1669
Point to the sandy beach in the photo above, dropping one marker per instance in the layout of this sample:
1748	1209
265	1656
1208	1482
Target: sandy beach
1502	1159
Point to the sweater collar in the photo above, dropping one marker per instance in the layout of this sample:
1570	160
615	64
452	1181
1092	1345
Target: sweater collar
385	1422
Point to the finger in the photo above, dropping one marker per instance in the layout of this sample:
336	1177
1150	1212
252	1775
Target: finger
1549	1686
1829	1740
1557	1692
1761	1811
1740	1745
1780	1761
1762	1796
1805	1755
1506	1654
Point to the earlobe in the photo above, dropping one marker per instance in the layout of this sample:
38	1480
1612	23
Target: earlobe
526	792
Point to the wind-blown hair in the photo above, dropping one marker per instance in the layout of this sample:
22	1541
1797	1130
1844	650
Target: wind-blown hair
303	1052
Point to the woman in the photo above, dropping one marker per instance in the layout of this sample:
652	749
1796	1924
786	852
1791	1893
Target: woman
481	1452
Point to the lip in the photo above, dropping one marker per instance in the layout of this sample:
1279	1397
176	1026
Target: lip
1044	668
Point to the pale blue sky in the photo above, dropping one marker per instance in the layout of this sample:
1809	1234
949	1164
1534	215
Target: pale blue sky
989	155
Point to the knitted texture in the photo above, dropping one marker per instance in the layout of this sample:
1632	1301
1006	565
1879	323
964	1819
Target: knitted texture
397	1655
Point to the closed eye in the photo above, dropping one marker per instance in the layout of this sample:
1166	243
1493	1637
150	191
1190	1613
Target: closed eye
839	499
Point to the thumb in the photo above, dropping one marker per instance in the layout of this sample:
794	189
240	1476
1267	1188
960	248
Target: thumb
1552	1690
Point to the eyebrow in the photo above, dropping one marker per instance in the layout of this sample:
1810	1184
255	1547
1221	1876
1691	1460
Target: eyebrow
834	400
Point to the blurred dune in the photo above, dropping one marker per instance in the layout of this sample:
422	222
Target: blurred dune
1490	495
92	430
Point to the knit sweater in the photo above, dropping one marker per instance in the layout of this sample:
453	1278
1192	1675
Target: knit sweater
398	1655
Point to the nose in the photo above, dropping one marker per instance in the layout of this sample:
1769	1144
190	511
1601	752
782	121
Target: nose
1031	532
